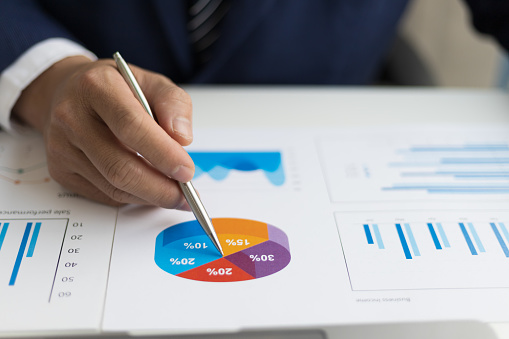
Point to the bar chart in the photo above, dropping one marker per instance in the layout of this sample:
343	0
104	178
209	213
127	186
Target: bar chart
453	169
426	250
419	165
29	252
440	241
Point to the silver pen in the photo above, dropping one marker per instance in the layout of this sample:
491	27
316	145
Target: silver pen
187	187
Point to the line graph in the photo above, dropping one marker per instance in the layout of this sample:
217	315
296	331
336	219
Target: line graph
23	160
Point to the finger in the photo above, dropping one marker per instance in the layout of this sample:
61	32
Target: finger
116	105
81	176
171	105
76	183
88	172
89	183
129	174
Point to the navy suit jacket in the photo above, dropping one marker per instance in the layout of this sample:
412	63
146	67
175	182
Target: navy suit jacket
262	41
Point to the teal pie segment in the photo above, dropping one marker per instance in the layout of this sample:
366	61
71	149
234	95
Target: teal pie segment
177	248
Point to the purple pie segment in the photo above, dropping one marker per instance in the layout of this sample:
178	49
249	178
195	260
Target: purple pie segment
278	236
263	259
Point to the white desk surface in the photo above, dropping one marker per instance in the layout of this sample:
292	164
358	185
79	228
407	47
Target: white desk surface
237	106
344	106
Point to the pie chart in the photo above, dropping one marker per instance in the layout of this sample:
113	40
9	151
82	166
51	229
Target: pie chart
252	250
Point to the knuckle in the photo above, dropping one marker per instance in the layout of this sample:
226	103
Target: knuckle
56	173
56	152
87	82
118	196
95	80
179	95
91	78
63	115
130	126
123	174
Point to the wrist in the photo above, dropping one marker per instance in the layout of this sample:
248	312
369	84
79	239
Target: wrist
34	104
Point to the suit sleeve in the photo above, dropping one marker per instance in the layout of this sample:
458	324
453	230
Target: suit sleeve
24	23
491	17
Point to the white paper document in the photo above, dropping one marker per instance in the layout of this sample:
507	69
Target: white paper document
319	227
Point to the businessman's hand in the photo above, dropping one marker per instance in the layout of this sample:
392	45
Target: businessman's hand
95	131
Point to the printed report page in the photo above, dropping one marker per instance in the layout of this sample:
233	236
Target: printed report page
319	227
323	227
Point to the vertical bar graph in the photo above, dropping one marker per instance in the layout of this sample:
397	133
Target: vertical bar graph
369	237
33	241
443	236
477	240
403	241
21	252
411	237
5	226
26	247
499	238
439	238
464	249
434	236
467	239
378	237
504	231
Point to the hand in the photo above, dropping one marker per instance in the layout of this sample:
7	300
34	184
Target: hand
94	130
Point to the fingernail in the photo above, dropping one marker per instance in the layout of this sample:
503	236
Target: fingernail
182	127
182	174
184	206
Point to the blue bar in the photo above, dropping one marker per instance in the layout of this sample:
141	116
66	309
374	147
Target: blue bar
451	186
368	234
468	191
486	176
414	164
451	189
467	148
403	242
504	230
434	236
33	241
467	239
469	161
413	243
378	237
488	173
442	235
21	251
459	174
3	233
476	237
500	240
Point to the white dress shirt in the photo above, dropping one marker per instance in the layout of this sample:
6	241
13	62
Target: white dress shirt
15	78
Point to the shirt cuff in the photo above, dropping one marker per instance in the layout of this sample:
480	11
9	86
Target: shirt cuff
38	58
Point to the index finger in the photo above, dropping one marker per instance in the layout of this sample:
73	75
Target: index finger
171	105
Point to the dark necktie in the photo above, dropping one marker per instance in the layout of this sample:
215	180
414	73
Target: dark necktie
205	17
